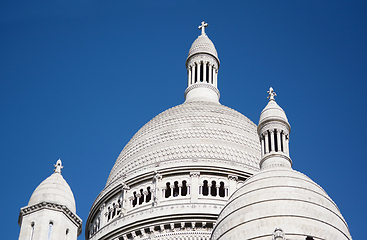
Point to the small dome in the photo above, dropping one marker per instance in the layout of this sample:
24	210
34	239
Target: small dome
54	189
203	45
280	198
272	111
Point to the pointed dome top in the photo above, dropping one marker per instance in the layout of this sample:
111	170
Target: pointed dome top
54	189
272	111
203	44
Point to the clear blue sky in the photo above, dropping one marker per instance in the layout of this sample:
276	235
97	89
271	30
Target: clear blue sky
79	78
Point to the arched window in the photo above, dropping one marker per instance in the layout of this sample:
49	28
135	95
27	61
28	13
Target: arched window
109	214
168	190
135	200
276	141
113	210
32	230
175	189
50	225
213	189
221	190
201	71
205	188
149	196
141	199
269	142
184	188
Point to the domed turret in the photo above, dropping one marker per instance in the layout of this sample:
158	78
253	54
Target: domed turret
202	66
54	189
279	203
274	132
51	211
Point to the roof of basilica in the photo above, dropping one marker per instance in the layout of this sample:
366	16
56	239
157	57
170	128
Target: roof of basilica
192	130
282	198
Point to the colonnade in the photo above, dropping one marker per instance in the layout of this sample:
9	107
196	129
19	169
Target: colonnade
202	71
274	141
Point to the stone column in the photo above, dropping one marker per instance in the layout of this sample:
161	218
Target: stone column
272	140
215	77
279	141
232	184
193	73
287	145
189	77
262	145
283	142
210	73
102	215
179	189
195	186
266	135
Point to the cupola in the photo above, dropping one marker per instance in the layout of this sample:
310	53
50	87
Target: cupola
202	66
273	131
51	212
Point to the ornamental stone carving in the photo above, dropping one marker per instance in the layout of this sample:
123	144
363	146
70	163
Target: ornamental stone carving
194	174
278	233
232	178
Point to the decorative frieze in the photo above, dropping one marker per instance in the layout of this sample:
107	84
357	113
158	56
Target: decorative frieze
51	206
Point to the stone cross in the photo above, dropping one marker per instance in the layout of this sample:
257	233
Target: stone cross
272	94
58	166
202	27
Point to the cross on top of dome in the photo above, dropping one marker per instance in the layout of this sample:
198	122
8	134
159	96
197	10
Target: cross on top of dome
272	94
58	166
202	27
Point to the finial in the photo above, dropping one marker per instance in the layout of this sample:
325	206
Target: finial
272	94
58	166
202	27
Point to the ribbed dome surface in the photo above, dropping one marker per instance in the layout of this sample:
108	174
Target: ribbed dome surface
193	130
272	111
54	189
280	198
203	45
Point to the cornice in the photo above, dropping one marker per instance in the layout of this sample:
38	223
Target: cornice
54	207
204	85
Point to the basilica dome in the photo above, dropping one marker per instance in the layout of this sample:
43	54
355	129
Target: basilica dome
192	131
176	173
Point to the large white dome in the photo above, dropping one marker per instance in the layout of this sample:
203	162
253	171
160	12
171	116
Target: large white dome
191	131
